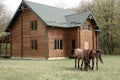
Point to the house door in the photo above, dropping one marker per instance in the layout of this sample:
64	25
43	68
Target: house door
86	45
73	44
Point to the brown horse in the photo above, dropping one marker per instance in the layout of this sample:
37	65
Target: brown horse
95	54
81	55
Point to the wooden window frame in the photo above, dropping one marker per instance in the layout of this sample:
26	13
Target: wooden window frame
86	27
58	44
34	44
34	25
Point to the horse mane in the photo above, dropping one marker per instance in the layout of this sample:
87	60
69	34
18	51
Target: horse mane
90	52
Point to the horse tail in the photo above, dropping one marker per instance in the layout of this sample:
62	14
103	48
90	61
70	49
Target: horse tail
72	51
100	56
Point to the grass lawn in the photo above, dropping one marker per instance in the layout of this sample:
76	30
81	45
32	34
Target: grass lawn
57	70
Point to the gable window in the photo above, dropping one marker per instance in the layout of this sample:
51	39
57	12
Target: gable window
58	45
34	45
34	25
86	27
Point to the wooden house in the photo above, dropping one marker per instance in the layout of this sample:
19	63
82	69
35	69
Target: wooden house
41	31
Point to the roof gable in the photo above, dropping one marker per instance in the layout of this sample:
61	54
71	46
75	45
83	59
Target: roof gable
53	16
77	19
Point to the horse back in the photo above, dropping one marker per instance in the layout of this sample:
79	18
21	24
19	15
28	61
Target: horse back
92	53
79	53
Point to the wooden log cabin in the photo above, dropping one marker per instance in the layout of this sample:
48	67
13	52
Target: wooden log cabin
41	31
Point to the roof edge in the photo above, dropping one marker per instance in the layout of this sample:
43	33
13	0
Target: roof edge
15	14
34	12
7	28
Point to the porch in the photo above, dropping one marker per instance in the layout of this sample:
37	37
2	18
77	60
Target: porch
5	46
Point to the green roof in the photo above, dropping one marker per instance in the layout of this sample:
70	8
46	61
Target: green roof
53	16
77	19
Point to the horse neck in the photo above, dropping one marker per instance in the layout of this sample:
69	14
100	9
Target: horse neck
90	53
86	56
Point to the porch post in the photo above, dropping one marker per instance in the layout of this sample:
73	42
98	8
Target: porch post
97	44
5	46
78	30
10	41
0	48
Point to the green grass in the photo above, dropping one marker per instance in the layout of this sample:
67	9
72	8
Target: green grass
58	70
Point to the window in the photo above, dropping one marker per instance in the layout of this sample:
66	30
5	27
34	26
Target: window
86	27
58	44
73	44
34	25
34	44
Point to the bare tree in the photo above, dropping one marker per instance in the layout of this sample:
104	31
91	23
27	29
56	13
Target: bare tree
60	4
4	16
1	12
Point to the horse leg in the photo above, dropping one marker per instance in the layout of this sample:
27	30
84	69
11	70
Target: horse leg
92	64
75	61
89	65
85	66
81	65
78	63
97	63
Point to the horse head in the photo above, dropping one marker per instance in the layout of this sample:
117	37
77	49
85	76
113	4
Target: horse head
87	59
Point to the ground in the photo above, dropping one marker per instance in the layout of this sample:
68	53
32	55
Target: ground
57	70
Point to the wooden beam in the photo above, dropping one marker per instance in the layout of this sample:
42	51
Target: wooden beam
5	46
96	40
47	42
93	40
21	21
79	37
10	43
0	47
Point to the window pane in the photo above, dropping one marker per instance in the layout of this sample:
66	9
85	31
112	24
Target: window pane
60	44
34	44
34	25
55	45
86	27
